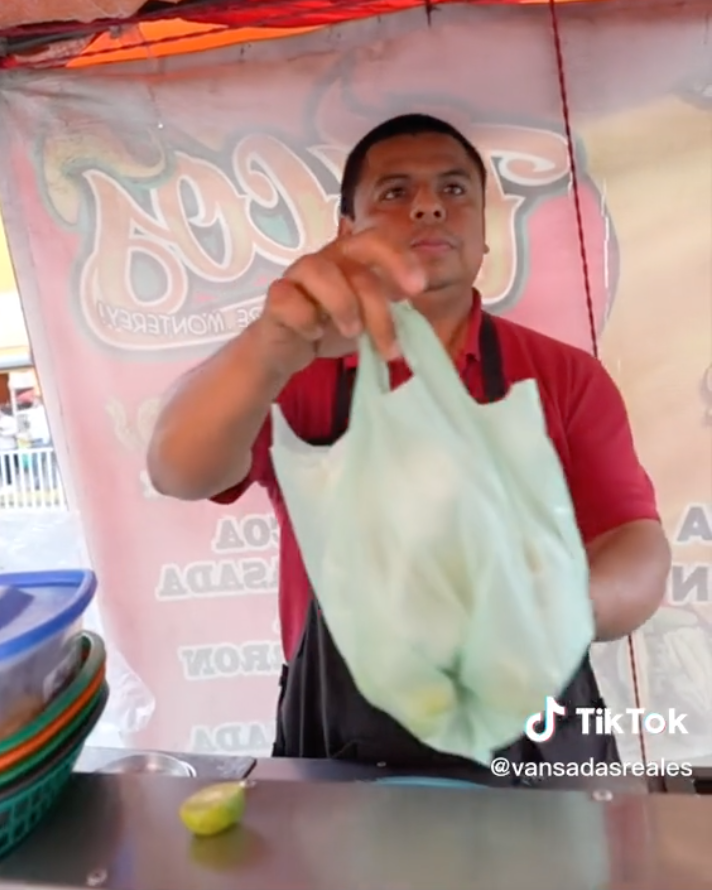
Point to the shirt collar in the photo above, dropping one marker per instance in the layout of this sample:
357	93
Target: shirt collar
471	346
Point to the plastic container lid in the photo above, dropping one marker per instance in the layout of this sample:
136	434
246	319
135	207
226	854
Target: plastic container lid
35	606
430	782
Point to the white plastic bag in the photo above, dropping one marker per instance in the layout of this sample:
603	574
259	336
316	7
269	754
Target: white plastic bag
441	543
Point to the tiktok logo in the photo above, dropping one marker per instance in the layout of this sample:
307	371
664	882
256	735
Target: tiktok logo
545	720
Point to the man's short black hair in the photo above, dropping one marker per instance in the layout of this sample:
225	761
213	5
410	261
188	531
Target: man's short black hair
403	125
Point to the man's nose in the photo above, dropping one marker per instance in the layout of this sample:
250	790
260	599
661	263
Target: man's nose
427	206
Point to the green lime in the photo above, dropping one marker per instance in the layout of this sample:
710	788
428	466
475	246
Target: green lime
214	809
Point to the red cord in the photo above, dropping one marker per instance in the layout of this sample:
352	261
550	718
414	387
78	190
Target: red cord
563	90
574	172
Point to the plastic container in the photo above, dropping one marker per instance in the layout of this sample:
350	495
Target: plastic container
82	686
40	649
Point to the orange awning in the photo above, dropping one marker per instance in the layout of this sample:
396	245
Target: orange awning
170	37
24	12
76	37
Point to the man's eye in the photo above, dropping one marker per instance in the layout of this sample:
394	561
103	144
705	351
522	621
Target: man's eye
393	193
454	188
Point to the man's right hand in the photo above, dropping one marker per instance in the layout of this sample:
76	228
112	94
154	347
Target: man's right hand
202	443
327	299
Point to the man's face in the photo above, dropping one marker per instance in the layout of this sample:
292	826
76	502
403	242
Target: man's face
426	192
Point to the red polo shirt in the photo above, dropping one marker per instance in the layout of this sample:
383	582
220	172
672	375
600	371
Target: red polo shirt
585	416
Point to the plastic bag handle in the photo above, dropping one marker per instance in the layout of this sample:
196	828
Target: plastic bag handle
421	349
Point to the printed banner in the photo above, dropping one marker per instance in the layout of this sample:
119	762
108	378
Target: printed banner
149	208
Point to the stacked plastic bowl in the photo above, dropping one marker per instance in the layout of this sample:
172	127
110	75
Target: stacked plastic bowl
53	691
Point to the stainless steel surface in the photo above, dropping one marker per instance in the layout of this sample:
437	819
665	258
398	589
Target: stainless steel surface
361	836
206	766
153	762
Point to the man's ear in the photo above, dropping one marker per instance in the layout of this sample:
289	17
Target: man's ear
346	226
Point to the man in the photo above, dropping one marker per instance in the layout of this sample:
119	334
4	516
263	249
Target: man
412	227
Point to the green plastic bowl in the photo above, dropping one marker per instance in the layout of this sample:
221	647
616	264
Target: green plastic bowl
8	776
93	658
25	804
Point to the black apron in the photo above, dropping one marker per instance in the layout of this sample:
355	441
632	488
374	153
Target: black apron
321	713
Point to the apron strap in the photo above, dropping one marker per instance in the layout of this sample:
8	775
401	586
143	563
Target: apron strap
342	400
493	379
